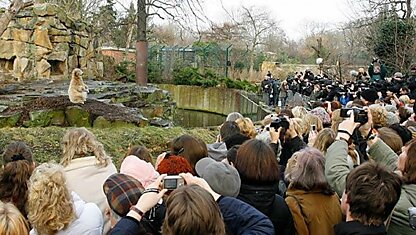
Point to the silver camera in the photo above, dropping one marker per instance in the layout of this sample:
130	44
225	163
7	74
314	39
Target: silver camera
412	217
172	182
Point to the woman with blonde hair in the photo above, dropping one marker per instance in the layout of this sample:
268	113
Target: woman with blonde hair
246	127
324	139
299	112
87	166
53	209
12	221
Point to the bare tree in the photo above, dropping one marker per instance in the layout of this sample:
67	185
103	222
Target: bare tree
184	12
255	24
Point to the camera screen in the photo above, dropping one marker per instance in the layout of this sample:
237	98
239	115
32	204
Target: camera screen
170	183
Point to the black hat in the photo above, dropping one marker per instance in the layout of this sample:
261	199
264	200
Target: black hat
370	95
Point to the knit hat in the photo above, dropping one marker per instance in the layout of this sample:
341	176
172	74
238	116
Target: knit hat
122	191
174	165
221	177
141	170
322	114
391	108
370	95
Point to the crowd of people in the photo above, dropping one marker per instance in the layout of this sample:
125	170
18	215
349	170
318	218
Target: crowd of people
311	87
332	168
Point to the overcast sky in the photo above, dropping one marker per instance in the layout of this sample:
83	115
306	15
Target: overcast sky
291	14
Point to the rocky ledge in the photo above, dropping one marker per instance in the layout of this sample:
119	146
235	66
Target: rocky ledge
109	104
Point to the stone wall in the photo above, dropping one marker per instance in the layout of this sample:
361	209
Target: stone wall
43	42
214	100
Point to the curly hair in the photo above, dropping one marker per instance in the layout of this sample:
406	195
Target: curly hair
80	142
11	221
246	127
379	114
50	204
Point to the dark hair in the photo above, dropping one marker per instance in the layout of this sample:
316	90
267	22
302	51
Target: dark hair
404	133
190	148
409	171
372	193
17	151
232	154
192	210
404	114
14	179
228	129
309	172
256	162
141	152
286	112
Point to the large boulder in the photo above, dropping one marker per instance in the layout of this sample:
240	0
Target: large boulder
45	9
41	37
43	118
77	116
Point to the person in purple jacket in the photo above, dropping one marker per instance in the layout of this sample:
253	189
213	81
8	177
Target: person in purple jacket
195	209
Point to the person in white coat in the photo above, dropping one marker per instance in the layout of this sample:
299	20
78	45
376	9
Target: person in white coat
87	166
53	209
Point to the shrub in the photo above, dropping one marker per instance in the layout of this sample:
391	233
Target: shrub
127	69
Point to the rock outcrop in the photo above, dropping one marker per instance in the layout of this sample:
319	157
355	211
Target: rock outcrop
43	42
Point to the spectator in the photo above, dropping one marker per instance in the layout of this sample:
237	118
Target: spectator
123	192
324	139
141	152
192	209
315	207
53	209
190	148
12	222
218	150
246	127
86	166
370	195
221	177
259	172
16	171
141	170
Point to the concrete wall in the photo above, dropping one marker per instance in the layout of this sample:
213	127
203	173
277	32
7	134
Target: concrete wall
215	99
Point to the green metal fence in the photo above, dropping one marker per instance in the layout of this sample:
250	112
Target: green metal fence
164	59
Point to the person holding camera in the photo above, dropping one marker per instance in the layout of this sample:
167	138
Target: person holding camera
194	208
336	169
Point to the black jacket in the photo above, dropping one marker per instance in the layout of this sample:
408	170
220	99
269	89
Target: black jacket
264	198
356	228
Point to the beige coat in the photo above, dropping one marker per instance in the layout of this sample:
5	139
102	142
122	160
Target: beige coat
86	179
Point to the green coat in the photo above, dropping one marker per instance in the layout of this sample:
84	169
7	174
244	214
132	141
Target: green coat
337	169
399	223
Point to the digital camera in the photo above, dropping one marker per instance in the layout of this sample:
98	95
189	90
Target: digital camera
280	122
172	182
360	115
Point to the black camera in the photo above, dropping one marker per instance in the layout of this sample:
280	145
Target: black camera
280	122
360	115
412	217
